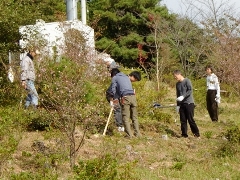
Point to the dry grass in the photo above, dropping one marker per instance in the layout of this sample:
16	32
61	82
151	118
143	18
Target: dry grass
157	158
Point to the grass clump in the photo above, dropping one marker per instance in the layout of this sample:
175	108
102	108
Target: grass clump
103	168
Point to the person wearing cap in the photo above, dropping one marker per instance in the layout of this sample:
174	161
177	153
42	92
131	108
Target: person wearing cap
28	77
122	88
117	107
111	65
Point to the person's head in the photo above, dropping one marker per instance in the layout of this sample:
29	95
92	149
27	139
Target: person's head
135	76
112	65
209	69
178	75
34	52
114	71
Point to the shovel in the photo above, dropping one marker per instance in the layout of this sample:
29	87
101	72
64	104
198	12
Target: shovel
109	117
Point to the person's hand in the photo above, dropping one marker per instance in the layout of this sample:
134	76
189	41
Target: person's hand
111	104
177	109
180	98
24	85
218	99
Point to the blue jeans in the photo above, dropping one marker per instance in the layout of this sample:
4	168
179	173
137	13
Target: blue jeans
32	97
118	115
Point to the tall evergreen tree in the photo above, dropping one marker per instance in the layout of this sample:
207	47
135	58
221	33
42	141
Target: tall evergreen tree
122	28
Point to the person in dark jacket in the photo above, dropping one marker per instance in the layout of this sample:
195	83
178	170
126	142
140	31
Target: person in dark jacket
122	87
133	76
185	104
117	107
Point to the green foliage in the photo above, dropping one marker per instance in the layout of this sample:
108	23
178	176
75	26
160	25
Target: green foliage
14	14
147	95
30	176
179	162
227	150
123	25
10	93
178	165
160	116
208	134
103	168
41	121
91	93
233	134
231	146
9	133
199	92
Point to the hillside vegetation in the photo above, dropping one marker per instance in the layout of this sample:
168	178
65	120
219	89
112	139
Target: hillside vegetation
62	139
31	150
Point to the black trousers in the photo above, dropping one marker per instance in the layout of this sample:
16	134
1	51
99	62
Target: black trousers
186	112
212	105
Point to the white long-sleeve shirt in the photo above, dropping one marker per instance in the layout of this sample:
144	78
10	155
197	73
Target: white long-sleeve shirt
213	83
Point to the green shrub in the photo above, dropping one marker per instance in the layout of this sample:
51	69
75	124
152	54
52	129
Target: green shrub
103	168
161	116
233	134
31	176
178	165
208	134
227	150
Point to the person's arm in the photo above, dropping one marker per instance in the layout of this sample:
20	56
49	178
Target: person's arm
217	86
177	94
24	68
189	88
109	94
114	86
207	82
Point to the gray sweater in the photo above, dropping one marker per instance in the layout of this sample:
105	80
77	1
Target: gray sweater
184	89
27	68
121	85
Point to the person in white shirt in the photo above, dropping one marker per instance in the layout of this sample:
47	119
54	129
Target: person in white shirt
213	93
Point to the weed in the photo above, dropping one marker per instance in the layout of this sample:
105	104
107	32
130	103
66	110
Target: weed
103	168
227	150
30	176
233	134
208	134
178	165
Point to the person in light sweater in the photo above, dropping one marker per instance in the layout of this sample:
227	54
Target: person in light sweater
213	93
28	77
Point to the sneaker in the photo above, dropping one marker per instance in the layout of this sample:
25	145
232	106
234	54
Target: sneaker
197	136
121	129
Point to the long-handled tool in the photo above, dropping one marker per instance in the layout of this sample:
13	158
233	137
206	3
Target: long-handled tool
109	117
157	105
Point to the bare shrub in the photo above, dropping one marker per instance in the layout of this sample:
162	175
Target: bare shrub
68	90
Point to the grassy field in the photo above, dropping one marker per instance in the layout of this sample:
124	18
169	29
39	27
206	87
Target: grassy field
44	154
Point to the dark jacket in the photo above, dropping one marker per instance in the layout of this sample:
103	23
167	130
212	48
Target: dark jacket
184	89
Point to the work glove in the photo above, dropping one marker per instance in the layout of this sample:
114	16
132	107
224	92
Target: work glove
218	99
111	104
180	98
177	109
